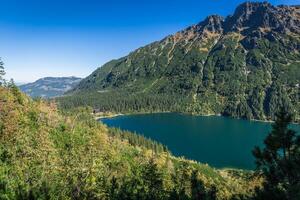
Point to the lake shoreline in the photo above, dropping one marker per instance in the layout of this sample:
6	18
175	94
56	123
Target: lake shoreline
107	116
222	142
112	115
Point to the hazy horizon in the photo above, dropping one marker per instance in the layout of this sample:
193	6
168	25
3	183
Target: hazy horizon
73	38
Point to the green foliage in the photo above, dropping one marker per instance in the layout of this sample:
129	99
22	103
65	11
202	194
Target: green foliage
51	154
124	102
199	191
279	161
152	182
138	140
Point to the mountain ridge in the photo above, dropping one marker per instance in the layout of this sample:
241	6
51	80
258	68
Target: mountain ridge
48	87
245	65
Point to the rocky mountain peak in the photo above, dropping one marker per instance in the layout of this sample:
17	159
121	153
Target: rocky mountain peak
251	16
213	23
255	18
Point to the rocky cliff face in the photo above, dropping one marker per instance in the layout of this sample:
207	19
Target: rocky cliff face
249	17
246	65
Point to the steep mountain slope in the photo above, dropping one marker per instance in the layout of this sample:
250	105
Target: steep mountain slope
45	154
246	65
50	86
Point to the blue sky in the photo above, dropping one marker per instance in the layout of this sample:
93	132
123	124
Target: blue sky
64	38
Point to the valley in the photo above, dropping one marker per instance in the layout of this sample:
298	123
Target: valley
210	112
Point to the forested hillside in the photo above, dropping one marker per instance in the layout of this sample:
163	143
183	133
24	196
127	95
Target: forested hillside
50	86
245	65
47	154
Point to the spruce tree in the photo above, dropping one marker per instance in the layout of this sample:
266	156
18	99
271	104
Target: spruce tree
153	181
197	186
279	161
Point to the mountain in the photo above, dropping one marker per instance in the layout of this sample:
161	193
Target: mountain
50	86
246	65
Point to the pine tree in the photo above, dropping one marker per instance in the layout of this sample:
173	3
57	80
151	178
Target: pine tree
198	189
113	188
153	181
279	161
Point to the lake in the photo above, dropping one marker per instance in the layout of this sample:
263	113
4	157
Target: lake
219	141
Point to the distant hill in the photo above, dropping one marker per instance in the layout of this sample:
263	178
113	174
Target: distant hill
245	65
50	86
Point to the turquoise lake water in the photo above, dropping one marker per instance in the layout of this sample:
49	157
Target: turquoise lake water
219	141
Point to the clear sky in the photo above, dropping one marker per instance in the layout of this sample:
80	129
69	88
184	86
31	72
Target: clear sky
41	38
